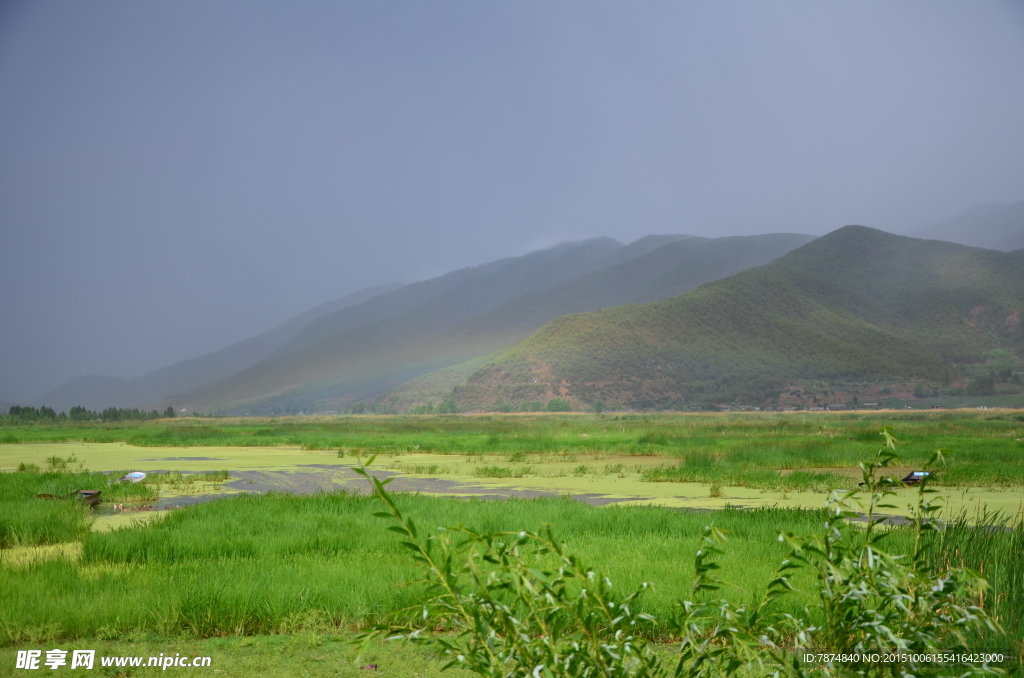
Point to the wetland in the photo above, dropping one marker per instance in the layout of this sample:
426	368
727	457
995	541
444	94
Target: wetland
260	528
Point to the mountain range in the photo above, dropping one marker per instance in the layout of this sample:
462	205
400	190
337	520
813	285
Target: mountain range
375	340
857	303
664	319
368	349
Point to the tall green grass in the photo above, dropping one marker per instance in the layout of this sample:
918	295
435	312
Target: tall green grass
993	545
249	564
256	563
38	521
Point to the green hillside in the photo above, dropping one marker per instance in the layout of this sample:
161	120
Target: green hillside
855	304
432	387
369	349
664	272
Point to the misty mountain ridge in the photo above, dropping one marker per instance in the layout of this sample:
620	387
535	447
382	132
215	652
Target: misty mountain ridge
856	303
992	226
97	392
371	348
374	341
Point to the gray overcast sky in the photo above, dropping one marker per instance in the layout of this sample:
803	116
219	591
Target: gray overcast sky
176	176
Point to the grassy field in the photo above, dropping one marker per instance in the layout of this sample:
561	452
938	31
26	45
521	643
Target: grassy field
676	460
293	575
668	459
279	564
250	564
988	441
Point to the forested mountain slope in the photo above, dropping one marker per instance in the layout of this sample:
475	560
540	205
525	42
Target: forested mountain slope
664	272
855	303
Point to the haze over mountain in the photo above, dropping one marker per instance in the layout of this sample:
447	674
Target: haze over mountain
369	348
178	176
98	392
856	303
992	226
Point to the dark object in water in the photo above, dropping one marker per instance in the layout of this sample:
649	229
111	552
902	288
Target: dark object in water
915	477
912	478
88	497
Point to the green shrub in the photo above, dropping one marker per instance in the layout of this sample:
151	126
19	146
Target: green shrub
559	405
982	386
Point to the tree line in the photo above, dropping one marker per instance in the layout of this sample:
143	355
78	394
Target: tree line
449	406
26	414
